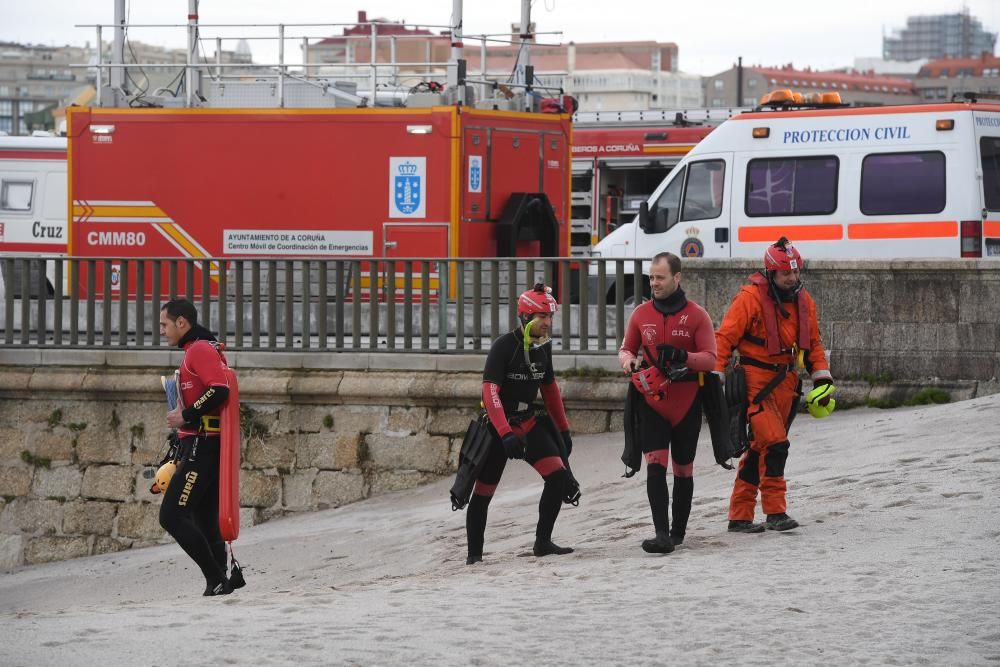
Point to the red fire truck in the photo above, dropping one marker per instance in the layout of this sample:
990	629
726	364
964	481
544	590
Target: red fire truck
419	183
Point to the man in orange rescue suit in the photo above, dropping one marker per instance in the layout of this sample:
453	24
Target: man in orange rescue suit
677	340
772	322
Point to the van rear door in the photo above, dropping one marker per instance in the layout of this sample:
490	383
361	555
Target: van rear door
987	132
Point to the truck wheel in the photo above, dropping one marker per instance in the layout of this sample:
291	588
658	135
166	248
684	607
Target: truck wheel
629	292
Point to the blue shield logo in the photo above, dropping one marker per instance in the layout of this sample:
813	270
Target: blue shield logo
407	188
475	175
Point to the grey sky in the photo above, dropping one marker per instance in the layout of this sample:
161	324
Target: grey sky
710	35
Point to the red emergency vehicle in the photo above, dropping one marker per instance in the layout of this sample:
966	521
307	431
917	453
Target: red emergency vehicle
419	183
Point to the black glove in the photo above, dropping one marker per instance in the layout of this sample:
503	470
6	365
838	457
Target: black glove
567	443
514	446
674	355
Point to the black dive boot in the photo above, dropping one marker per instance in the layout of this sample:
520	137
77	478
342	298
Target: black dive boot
548	509
681	508
659	501
475	527
217	587
780	522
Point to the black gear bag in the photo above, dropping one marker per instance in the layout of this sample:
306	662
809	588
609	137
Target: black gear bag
471	460
736	399
716	409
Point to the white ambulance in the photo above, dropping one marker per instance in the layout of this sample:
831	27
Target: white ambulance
909	181
32	203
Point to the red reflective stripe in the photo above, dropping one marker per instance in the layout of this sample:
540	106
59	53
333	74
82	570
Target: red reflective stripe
991	228
658	456
548	465
686	470
903	230
481	489
41	248
771	233
863	111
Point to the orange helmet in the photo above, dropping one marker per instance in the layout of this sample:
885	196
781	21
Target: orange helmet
782	256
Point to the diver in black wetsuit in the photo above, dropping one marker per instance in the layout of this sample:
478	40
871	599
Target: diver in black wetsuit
518	366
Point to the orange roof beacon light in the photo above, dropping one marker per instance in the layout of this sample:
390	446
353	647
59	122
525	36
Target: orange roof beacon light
830	98
797	98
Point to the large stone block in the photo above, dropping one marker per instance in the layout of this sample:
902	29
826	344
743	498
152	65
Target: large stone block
148	447
249	517
403	420
451	421
259	489
914	297
386	387
16	480
108	482
108	545
53	548
588	421
297	490
12	442
333	489
103	445
52	444
139	520
616	422
397	480
11	551
89	518
411	452
274	451
299	418
359	418
32	516
327	451
978	299
57	482
141	492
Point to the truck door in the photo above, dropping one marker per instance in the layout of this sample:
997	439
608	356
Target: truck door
410	241
695	210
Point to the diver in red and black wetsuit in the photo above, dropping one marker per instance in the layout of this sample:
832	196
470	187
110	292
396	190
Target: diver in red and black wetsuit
518	366
190	509
676	337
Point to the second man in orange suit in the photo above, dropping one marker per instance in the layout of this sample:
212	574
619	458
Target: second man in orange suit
773	324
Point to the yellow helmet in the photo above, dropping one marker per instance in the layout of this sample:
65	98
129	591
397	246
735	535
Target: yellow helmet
813	398
164	474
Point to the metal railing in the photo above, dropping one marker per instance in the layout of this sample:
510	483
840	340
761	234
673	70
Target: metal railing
305	304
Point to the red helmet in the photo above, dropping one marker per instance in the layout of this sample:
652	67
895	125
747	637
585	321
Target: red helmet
782	256
539	299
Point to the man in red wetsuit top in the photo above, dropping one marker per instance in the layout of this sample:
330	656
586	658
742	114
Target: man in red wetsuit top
677	341
190	509
518	366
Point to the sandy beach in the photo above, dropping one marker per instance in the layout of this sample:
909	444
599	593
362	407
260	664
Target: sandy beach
895	563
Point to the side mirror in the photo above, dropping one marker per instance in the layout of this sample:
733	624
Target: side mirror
644	216
659	222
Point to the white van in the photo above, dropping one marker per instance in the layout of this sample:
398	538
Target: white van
870	182
32	202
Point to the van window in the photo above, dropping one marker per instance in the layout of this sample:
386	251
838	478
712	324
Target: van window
903	183
16	195
989	150
792	186
670	199
703	194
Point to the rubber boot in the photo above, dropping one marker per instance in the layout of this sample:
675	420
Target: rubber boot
548	510
475	526
659	501
681	508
